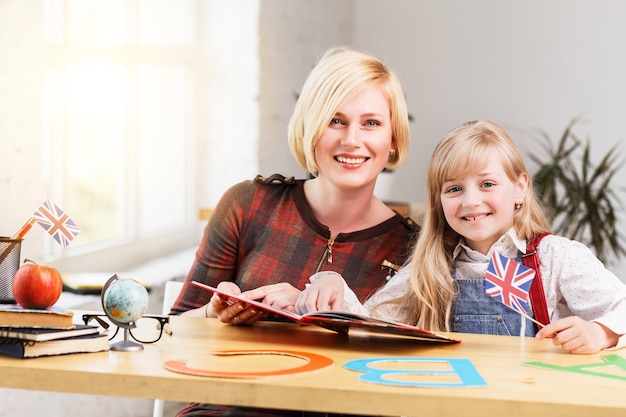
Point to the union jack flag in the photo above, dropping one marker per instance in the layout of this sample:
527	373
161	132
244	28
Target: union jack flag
509	281
56	223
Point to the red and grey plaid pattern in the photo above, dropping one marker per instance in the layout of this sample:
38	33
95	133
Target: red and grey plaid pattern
264	232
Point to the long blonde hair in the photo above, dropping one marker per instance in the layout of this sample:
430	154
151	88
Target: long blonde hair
467	147
341	73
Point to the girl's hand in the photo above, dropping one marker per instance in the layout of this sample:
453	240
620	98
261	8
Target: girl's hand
576	335
325	293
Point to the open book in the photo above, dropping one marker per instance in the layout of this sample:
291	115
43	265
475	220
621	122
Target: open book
339	321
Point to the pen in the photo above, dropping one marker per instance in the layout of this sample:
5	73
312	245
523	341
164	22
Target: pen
24	229
4	252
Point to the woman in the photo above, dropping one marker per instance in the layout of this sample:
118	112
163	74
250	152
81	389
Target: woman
268	236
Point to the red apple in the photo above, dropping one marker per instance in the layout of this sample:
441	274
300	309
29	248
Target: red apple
37	286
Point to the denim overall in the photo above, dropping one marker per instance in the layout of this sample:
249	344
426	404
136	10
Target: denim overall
473	311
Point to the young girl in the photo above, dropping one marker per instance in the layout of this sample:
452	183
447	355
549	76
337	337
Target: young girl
480	200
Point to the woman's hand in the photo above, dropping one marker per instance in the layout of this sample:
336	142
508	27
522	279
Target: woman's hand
227	311
324	293
576	335
281	295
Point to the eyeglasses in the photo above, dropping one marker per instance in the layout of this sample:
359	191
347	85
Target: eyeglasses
148	329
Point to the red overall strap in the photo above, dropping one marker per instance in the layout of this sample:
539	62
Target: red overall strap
537	295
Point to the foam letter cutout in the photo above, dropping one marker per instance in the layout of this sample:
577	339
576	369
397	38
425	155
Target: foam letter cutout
313	363
609	360
460	369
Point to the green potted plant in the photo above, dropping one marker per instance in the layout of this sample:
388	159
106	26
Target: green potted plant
580	199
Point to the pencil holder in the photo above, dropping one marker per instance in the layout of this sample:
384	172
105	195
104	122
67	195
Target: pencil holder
9	263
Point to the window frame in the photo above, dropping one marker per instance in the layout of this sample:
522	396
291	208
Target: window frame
131	247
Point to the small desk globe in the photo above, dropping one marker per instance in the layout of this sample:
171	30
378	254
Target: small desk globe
124	301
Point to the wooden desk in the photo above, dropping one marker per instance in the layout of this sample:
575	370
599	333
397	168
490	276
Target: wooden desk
512	389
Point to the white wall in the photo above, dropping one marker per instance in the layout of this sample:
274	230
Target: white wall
229	86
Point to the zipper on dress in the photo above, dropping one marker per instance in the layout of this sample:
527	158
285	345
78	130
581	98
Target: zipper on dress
327	255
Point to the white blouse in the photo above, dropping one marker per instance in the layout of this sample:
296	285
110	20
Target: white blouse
575	282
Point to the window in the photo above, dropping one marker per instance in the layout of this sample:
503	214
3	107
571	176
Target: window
119	110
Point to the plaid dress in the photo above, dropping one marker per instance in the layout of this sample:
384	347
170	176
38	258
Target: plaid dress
263	232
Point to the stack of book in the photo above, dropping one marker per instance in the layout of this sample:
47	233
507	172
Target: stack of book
29	333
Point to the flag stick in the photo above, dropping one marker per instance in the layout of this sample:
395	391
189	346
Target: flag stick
533	320
526	315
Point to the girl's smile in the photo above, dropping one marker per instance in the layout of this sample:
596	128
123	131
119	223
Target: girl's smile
480	206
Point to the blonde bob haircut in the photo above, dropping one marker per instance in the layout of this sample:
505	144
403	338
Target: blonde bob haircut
339	74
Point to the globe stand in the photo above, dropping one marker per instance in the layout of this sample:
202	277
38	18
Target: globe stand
126	345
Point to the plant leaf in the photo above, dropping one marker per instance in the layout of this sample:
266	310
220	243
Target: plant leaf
578	195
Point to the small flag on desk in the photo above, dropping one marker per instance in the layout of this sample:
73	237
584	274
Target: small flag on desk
56	222
509	282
